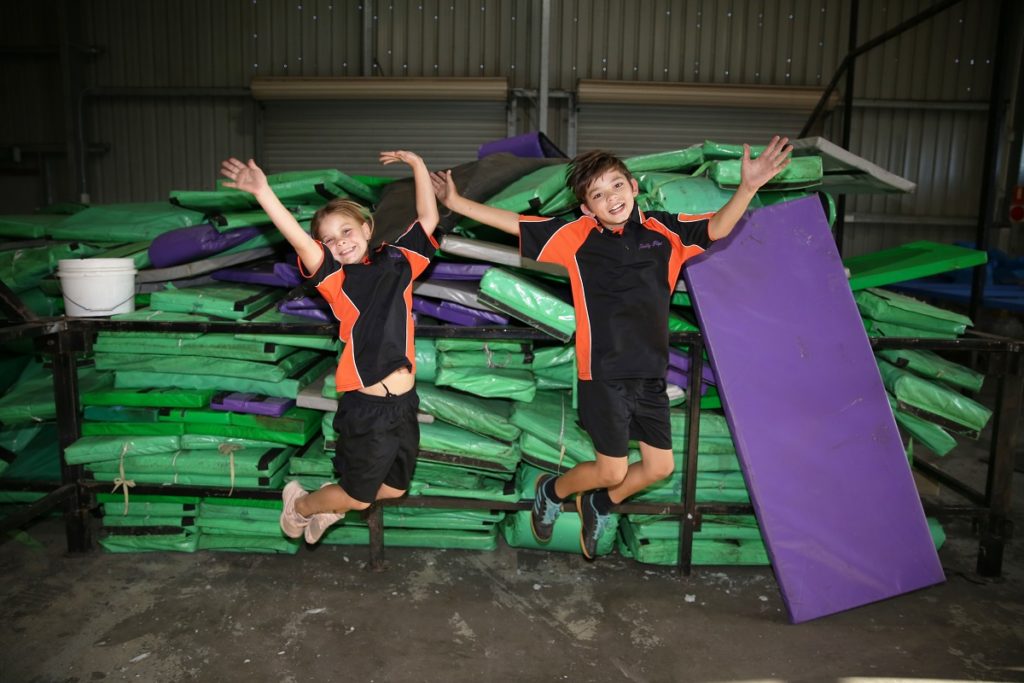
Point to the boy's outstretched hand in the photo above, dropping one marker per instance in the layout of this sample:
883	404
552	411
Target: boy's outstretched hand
246	177
754	173
444	186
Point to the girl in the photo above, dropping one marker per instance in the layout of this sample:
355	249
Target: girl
370	292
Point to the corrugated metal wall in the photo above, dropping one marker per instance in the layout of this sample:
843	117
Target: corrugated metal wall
921	110
349	135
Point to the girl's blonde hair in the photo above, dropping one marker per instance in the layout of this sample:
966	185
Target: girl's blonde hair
343	207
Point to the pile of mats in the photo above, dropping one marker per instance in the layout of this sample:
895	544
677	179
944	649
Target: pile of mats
244	412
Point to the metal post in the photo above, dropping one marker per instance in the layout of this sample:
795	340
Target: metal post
997	526
989	169
545	49
367	37
840	226
77	522
689	521
70	24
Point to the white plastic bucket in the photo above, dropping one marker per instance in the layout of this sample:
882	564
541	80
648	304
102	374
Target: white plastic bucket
97	286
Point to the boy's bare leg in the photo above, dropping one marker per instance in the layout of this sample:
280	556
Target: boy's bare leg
386	491
655	464
331	498
604	472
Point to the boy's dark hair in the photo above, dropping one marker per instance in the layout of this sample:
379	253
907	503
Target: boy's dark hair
587	166
347	207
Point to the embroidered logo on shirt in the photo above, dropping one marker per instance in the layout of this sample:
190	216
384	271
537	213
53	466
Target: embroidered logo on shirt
650	245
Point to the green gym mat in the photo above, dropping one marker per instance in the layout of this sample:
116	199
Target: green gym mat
517	385
230	301
528	301
883	306
489	417
908	262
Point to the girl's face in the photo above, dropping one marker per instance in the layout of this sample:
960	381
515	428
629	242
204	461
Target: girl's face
345	237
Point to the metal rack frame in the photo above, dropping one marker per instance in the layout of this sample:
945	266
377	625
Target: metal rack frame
64	339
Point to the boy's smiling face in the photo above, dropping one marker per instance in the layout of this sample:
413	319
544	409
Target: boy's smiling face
610	198
346	238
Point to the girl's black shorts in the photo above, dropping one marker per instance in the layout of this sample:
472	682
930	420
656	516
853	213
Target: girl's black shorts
378	441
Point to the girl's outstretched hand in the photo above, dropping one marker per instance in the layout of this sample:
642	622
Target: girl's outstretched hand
400	155
754	173
246	177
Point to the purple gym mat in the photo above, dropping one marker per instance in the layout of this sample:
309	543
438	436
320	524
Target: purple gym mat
681	362
681	379
253	404
263	273
457	314
532	145
306	307
185	245
817	441
447	270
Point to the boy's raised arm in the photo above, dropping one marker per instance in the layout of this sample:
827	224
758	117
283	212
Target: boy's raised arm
426	203
754	173
249	177
448	194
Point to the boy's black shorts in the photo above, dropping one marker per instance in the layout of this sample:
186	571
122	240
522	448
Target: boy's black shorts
378	441
614	411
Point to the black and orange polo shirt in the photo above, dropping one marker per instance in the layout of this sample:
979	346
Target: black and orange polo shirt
622	281
373	302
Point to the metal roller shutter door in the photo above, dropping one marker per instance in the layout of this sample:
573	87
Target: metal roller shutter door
630	129
349	135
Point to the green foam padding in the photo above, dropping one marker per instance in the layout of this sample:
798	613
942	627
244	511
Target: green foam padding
528	301
888	307
149	397
208	345
908	262
286	388
342	534
930	365
124	222
118	541
933	401
518	385
489	417
230	301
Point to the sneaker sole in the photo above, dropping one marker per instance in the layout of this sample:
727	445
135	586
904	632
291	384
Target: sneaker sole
583	545
532	527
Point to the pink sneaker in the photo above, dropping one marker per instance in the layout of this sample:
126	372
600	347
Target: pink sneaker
292	523
320	522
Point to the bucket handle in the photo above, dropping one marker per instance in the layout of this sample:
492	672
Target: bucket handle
97	310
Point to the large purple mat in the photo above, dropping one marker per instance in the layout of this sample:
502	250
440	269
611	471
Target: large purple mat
817	441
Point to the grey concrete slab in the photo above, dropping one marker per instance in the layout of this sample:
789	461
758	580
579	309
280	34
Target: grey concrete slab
508	615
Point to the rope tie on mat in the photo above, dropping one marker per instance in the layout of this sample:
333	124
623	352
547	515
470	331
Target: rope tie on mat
121	481
229	449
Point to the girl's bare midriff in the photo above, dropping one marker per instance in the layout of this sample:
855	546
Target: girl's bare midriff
398	382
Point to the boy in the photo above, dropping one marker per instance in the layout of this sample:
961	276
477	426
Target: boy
623	265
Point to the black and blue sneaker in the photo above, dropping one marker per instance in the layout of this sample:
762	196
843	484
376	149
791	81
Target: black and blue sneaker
544	511
592	524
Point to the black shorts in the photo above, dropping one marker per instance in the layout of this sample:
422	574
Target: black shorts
614	411
378	441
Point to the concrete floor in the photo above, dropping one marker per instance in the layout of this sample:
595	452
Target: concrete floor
472	616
